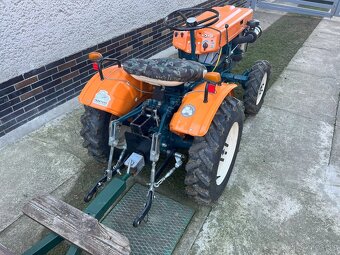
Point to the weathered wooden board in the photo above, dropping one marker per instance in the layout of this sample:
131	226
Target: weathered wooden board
5	251
76	226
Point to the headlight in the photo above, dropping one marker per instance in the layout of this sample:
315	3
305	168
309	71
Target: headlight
188	110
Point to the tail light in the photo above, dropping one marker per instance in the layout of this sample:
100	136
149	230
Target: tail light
95	66
211	88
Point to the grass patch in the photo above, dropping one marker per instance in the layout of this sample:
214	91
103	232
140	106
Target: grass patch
313	8
279	43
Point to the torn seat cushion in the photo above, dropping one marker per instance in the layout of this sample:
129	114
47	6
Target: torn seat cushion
165	71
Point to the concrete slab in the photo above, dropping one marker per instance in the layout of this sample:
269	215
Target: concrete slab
28	231
306	95
276	201
267	18
21	235
319	62
38	164
335	154
332	183
337	19
323	39
331	26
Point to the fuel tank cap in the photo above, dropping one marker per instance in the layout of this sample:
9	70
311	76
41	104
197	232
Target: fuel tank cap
192	21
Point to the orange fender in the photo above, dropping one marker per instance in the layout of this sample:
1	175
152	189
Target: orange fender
116	94
199	123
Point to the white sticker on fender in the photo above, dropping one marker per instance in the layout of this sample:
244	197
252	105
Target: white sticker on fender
102	98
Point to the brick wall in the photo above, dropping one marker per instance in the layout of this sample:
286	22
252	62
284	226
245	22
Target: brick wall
31	94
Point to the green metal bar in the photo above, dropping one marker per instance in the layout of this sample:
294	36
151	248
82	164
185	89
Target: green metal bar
44	245
103	202
73	250
97	208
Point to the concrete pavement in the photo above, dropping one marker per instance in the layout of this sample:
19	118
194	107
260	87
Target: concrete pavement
284	194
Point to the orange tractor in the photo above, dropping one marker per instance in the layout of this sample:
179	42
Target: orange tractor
141	109
182	111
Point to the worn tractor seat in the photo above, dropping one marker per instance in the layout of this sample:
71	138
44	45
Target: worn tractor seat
165	71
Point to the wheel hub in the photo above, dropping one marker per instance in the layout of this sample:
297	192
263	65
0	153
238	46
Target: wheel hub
261	89
228	153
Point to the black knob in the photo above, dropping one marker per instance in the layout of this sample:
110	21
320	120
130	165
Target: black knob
205	45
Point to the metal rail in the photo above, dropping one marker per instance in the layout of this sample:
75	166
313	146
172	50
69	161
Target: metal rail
323	8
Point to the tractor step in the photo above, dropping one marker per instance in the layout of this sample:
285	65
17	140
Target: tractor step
76	226
5	251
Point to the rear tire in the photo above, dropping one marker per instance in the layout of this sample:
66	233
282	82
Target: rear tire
212	157
256	87
95	131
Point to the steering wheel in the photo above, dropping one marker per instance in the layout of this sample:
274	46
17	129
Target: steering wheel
191	22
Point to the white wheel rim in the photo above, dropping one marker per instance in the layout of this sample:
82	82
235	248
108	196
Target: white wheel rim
261	88
228	153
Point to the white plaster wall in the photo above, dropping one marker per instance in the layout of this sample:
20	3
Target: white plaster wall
36	32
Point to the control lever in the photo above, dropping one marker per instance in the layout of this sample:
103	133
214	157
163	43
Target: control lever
113	142
154	157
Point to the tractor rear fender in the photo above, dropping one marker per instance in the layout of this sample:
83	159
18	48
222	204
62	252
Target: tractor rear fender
117	94
203	113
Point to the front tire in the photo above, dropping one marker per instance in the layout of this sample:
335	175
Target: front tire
212	157
256	87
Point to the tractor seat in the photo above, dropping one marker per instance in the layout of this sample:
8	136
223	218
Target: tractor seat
165	71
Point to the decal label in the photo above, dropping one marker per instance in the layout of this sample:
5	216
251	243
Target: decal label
102	98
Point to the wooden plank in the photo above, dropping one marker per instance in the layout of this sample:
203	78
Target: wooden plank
76	226
5	251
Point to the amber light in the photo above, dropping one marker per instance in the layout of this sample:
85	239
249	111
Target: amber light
213	77
95	56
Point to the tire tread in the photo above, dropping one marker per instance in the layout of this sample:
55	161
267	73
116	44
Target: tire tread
201	154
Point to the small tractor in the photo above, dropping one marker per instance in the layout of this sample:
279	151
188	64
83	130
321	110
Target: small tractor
174	109
140	109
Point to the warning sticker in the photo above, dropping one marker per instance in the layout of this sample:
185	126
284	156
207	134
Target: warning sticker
102	98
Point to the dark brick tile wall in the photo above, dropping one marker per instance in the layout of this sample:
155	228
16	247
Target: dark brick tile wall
31	94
